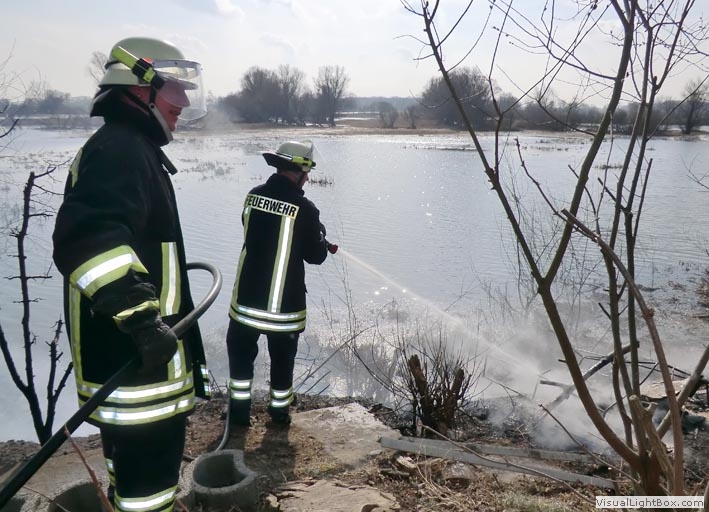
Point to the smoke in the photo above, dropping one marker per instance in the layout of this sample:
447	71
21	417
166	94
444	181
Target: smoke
216	119
528	379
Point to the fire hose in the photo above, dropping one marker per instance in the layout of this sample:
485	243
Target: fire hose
29	468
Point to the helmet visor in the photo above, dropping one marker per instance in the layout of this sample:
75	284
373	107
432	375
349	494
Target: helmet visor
183	87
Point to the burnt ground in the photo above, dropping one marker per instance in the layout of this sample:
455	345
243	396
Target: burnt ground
281	455
284	455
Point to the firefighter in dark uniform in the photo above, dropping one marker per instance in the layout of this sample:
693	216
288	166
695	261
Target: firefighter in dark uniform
282	230
119	245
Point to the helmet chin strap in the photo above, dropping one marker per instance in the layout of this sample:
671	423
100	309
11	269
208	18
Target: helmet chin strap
161	121
158	116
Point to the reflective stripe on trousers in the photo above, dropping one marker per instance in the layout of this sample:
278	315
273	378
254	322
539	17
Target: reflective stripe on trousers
240	389
146	462
281	398
157	501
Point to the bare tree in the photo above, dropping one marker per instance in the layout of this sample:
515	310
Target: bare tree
304	107
267	95
387	114
475	95
97	66
290	81
330	87
693	110
32	208
651	42
258	99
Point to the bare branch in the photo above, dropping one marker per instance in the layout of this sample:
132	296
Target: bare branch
648	313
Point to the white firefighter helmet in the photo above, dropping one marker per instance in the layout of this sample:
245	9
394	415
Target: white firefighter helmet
145	61
292	156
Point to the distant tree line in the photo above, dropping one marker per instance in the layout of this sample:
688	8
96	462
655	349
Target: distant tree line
548	112
47	107
285	96
47	102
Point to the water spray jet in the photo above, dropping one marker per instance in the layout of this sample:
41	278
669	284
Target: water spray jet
451	319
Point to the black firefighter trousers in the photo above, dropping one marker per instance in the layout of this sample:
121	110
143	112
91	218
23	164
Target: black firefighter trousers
144	460
242	346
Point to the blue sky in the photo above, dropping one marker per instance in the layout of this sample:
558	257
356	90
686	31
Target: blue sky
52	41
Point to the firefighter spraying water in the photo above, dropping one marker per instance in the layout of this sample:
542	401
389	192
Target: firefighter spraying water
282	231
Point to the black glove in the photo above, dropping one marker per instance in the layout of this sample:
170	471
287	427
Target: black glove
323	230
156	343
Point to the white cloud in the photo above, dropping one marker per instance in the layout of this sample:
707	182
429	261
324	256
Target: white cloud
227	8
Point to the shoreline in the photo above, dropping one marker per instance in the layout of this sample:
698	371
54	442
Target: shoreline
373	128
361	127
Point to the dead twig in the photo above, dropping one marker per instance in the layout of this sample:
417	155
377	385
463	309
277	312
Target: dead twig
101	495
561	477
594	369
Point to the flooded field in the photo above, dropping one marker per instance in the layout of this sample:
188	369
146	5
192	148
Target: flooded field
423	238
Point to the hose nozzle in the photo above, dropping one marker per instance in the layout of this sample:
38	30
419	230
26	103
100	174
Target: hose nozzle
331	248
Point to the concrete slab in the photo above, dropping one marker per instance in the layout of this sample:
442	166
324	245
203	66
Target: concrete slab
62	470
349	433
332	496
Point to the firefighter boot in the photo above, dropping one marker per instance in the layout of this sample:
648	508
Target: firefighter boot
240	413
279	415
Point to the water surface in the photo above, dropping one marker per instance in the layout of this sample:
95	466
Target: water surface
423	236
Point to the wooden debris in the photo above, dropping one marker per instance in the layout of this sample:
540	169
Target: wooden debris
511	451
656	390
591	371
450	451
405	464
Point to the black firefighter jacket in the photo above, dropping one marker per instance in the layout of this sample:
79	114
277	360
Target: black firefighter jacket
281	231
117	236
